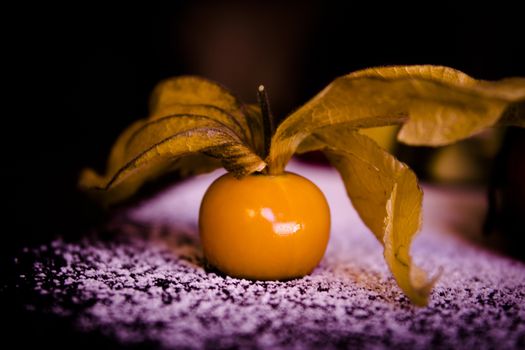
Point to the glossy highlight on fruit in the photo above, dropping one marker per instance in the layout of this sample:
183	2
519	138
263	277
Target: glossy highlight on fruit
266	227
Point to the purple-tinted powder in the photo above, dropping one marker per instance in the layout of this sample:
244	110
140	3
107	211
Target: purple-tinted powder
148	283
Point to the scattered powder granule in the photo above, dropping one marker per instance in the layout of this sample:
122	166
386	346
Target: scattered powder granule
149	283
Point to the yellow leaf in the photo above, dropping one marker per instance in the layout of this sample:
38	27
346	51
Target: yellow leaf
156	158
438	106
385	136
193	90
194	126
196	91
386	195
209	111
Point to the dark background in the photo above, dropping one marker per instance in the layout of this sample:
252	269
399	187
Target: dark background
78	75
75	76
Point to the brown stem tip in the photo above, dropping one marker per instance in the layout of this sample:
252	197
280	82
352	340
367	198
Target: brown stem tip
268	123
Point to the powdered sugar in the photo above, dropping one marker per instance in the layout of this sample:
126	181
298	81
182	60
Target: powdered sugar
149	283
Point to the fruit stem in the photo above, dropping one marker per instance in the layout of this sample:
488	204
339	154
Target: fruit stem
268	123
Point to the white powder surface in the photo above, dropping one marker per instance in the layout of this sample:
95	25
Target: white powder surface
146	282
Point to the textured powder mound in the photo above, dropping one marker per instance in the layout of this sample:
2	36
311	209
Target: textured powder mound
148	284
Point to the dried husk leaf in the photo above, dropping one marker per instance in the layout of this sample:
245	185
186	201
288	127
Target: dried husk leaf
385	193
195	126
196	91
436	105
155	159
209	111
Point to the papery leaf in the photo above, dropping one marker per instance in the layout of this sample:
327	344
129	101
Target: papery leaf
152	130
438	106
194	126
157	158
384	136
191	90
209	111
386	195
